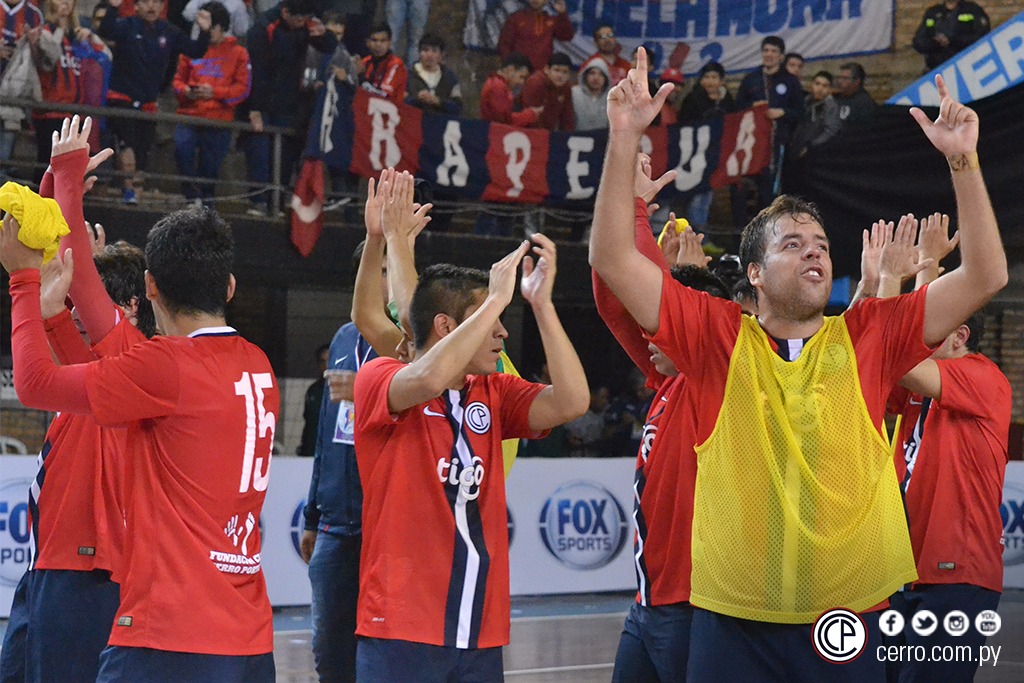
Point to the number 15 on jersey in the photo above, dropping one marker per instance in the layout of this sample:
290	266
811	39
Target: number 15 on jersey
258	423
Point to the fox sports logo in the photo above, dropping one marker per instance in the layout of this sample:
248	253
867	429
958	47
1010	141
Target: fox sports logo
1012	513
15	551
583	525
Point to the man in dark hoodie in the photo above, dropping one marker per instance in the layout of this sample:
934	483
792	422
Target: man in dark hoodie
277	44
145	45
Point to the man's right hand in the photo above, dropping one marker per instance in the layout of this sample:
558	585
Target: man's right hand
55	282
934	242
631	108
307	542
256	119
71	137
502	283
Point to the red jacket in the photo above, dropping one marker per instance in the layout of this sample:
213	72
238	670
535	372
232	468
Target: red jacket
539	91
385	77
496	103
532	34
226	67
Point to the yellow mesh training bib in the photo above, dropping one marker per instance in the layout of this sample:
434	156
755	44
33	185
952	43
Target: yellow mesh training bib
797	508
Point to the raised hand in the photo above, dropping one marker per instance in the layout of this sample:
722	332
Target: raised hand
502	283
899	258
203	20
871	252
670	242
55	283
73	136
631	108
691	253
400	214
97	237
539	277
643	185
933	241
955	131
375	203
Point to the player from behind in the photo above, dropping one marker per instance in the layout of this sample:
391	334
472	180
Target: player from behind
200	406
434	588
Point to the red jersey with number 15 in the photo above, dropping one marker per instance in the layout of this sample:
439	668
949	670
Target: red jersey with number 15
201	413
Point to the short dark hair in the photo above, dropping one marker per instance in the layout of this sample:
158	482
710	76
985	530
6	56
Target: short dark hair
742	289
599	27
701	279
976	325
219	15
122	268
432	40
443	288
189	254
754	240
380	28
560	59
517	60
711	67
776	41
792	55
824	74
305	8
857	72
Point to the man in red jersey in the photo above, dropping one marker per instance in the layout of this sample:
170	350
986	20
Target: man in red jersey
951	459
76	499
764	569
434	584
200	408
532	31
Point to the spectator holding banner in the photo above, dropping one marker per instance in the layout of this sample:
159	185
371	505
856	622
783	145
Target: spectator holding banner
532	32
947	28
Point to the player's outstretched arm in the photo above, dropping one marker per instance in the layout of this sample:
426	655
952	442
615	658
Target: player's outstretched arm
634	279
69	162
368	312
568	396
404	220
444	365
953	297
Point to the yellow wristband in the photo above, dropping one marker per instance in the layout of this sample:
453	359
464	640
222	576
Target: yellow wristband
963	162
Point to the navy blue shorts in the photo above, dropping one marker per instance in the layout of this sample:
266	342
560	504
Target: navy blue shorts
738	650
387	661
941	599
54	647
143	665
654	645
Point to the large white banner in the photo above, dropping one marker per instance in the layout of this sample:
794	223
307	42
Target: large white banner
568	518
727	31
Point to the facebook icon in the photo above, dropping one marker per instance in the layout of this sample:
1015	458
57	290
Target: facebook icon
891	622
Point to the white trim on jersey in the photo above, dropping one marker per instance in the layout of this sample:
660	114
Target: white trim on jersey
462	525
213	330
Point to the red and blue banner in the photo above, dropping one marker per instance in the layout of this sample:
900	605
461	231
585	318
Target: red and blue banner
491	162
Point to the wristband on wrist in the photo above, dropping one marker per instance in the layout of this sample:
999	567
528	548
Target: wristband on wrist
963	162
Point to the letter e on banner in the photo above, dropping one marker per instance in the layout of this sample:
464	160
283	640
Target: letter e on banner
746	146
517	163
576	168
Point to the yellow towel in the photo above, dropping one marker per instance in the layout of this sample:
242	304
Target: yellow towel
42	223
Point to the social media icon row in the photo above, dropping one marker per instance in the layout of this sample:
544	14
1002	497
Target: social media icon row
924	623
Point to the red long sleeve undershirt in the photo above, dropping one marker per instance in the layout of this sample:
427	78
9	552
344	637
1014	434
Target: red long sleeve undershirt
39	382
94	306
66	341
621	324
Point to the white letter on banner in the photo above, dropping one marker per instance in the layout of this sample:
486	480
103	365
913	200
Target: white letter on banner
576	169
517	149
697	160
385	123
454	170
646	146
1009	45
745	144
982	65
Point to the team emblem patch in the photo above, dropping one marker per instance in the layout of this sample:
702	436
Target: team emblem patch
478	417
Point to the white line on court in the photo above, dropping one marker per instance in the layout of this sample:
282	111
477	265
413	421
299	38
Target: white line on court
569	617
558	669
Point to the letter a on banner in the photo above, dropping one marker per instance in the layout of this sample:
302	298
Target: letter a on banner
454	170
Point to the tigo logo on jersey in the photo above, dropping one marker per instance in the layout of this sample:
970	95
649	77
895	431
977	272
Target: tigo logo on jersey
1012	514
15	552
468	479
583	525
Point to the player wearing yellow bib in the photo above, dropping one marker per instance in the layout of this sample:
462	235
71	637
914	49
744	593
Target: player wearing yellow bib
797	508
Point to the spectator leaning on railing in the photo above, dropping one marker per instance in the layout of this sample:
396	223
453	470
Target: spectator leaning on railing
497	98
210	88
145	46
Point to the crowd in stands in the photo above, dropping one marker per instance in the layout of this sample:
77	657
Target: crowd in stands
226	62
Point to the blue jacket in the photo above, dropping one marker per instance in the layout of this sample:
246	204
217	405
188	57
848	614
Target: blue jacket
143	52
335	502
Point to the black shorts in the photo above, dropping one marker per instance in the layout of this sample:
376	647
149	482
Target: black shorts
136	134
